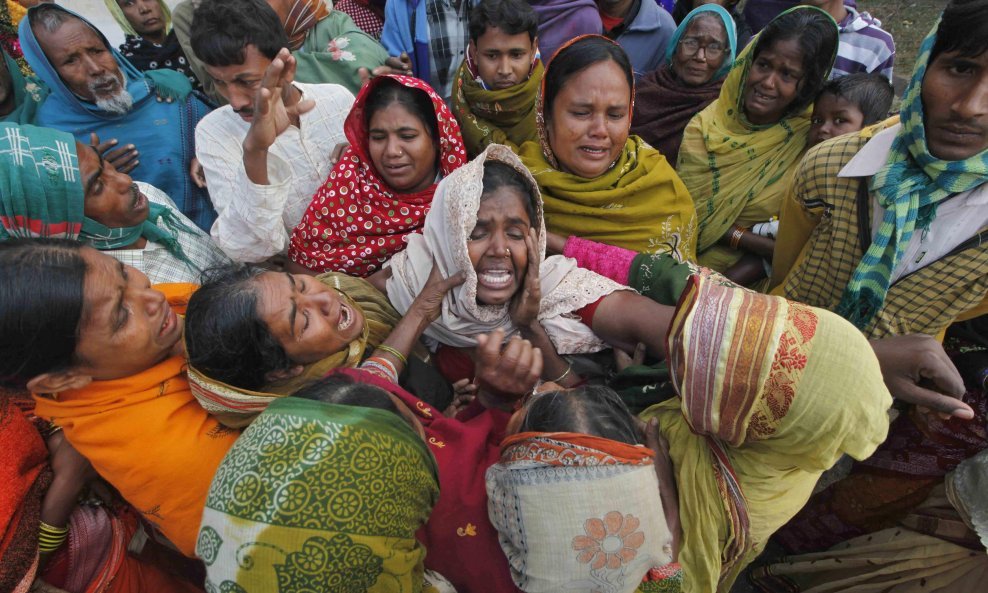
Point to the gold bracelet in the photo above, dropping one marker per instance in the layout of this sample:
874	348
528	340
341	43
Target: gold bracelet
736	234
47	529
394	352
564	375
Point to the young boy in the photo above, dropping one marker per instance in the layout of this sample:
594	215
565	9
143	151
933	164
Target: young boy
848	104
864	45
495	87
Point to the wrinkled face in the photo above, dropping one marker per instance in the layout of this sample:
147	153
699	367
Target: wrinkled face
955	106
238	83
82	60
127	327
503	60
310	320
111	198
774	80
497	245
589	120
403	152
144	15
833	116
701	51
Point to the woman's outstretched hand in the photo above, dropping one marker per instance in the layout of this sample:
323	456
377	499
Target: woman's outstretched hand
524	308
507	373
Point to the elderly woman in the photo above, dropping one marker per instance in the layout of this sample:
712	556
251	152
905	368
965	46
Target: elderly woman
103	353
149	40
53	186
699	56
747	440
596	180
403	138
739	153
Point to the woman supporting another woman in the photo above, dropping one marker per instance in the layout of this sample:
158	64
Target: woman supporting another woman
403	139
700	54
738	154
596	180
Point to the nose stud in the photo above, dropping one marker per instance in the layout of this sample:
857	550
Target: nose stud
507	251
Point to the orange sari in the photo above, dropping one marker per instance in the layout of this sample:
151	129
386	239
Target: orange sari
149	437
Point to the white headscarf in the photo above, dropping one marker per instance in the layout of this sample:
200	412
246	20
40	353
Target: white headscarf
565	287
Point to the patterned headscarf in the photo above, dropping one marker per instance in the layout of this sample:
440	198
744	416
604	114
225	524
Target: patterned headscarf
909	187
319	497
356	222
303	15
613	530
41	195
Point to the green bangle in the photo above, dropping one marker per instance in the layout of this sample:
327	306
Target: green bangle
394	352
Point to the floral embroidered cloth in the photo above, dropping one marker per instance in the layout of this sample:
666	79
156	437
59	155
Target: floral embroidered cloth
577	513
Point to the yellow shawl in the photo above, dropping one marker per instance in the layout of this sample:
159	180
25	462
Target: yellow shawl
772	393
737	172
639	203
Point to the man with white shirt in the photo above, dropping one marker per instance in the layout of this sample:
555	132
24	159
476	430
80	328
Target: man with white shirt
266	152
888	227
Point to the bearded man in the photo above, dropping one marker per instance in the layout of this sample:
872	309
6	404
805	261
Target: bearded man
147	118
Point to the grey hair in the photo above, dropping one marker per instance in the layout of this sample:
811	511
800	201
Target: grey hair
49	18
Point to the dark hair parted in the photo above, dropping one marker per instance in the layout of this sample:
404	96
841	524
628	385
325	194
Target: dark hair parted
963	29
510	16
577	57
871	93
498	175
225	338
595	410
41	307
222	30
415	101
342	390
816	34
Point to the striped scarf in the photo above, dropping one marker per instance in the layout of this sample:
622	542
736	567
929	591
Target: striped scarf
909	187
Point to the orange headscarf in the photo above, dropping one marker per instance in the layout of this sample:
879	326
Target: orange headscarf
149	438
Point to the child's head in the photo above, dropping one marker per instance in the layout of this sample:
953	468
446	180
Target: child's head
342	390
503	41
590	409
848	104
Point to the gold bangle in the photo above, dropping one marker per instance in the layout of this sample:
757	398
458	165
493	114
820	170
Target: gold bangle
736	234
564	375
47	529
394	352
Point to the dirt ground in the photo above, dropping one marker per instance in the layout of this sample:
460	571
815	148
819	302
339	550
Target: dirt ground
908	21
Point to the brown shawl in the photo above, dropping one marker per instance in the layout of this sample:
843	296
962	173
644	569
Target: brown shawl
664	105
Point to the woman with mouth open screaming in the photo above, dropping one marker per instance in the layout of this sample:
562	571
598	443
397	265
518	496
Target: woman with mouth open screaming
738	154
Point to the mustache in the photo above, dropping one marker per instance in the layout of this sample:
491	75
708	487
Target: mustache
103	80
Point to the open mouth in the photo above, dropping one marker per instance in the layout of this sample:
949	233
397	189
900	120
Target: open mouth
761	98
595	152
138	200
346	318
169	323
495	279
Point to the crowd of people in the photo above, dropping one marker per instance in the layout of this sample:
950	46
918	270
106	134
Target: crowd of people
489	296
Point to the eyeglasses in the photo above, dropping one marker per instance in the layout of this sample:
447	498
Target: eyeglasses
691	45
